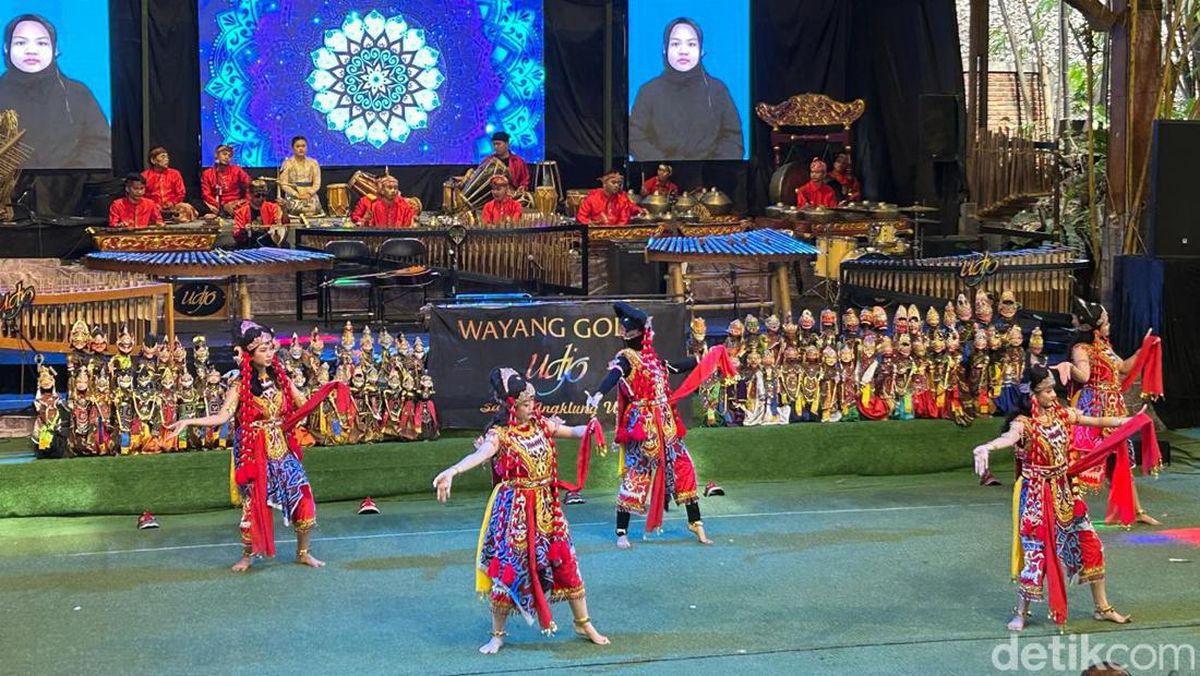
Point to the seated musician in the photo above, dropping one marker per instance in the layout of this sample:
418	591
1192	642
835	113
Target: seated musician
816	193
134	210
164	186
253	220
607	205
660	183
388	209
503	209
224	186
300	181
518	171
843	175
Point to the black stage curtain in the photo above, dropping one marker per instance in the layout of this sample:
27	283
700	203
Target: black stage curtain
1180	322
888	53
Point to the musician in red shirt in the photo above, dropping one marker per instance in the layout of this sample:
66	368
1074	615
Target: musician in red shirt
164	186
607	205
843	173
518	171
257	222
224	186
660	182
816	193
503	209
388	209
134	210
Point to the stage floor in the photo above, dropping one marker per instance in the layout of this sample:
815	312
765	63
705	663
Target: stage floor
831	575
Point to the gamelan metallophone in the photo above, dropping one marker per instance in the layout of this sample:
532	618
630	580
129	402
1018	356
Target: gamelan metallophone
554	256
107	300
1042	279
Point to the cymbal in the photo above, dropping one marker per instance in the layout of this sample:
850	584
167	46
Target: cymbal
923	220
920	209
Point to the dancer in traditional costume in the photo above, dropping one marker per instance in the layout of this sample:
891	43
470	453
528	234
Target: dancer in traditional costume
526	558
1053	535
267	455
1098	379
654	462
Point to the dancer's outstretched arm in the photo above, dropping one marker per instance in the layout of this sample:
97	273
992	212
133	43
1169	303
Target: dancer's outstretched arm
483	452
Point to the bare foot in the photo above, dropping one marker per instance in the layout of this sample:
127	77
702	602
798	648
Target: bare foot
1017	623
310	561
492	646
698	529
1110	615
242	565
1145	518
589	632
623	542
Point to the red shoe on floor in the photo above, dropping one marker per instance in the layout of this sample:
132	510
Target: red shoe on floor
988	480
711	489
146	520
368	507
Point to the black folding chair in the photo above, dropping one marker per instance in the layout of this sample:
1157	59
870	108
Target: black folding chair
398	253
352	258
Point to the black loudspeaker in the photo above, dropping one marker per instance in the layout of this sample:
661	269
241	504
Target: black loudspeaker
630	274
1170	209
941	130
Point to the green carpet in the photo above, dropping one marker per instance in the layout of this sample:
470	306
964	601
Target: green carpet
849	575
190	482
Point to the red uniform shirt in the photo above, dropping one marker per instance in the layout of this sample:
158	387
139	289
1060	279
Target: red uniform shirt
507	211
851	188
518	171
599	208
231	183
125	214
164	186
651	186
268	214
377	212
814	195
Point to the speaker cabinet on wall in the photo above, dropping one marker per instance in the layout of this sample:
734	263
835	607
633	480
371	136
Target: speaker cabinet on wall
1170	209
630	273
941	129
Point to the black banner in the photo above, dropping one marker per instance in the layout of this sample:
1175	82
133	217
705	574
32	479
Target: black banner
563	348
200	299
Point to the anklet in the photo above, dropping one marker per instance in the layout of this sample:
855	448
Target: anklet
301	553
621	532
582	622
499	634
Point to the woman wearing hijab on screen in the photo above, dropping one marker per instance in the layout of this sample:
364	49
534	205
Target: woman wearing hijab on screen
685	113
62	121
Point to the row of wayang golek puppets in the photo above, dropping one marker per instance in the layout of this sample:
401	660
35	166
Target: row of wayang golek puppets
123	403
956	365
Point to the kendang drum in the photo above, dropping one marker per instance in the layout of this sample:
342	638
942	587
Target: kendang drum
832	251
476	187
545	199
337	196
364	183
574	199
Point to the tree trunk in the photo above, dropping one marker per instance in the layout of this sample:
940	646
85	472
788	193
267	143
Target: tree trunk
1014	44
1040	60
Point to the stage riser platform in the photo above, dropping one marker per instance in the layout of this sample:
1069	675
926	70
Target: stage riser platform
199	481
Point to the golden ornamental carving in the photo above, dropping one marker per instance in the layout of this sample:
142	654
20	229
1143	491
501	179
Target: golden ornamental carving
810	110
155	239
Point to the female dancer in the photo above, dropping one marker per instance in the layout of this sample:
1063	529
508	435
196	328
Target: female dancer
1098	377
1051	521
526	559
655	462
266	454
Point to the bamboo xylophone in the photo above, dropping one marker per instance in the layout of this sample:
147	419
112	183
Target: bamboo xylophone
126	301
1042	279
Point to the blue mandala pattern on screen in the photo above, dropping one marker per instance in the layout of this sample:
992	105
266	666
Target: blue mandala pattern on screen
370	84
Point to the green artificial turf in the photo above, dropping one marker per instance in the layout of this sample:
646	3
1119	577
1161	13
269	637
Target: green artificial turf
190	482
